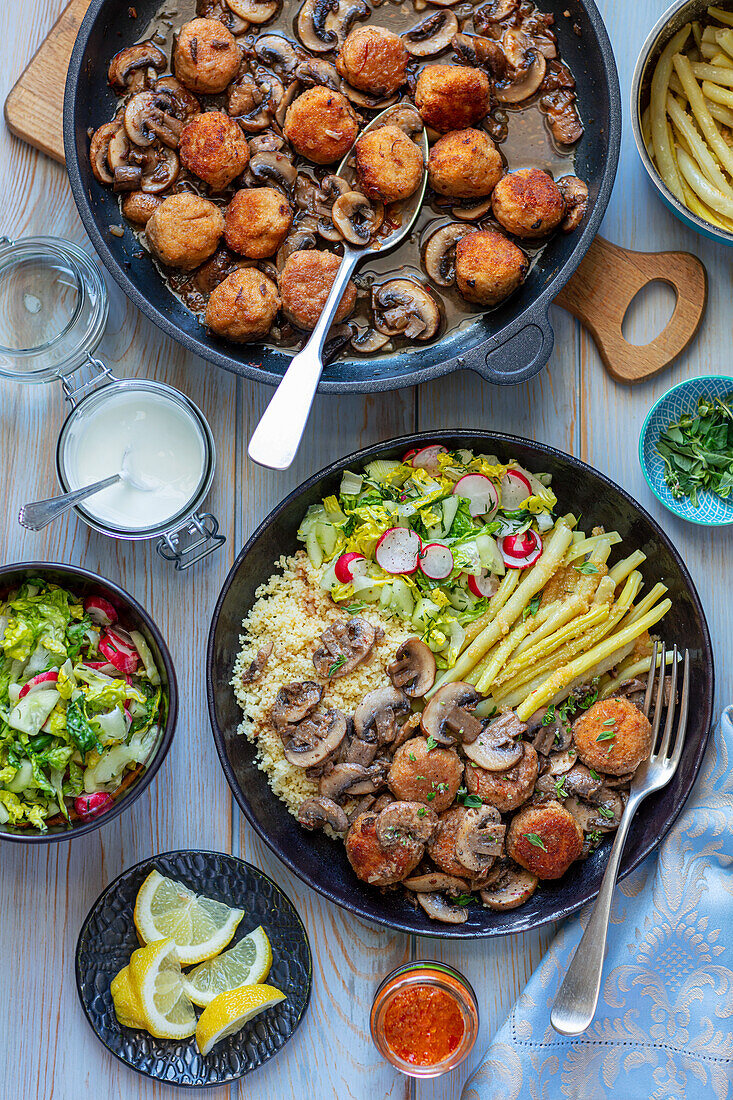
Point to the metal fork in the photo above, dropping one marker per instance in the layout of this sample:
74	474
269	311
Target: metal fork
575	1004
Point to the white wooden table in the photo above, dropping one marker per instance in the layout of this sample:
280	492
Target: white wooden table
47	1050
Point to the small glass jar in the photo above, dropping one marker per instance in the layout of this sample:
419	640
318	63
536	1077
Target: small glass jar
434	975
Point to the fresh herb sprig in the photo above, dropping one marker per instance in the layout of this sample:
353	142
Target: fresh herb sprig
698	451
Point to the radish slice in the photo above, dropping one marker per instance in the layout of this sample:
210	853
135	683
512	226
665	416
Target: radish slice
117	647
520	551
427	458
90	805
515	488
100	611
436	561
38	682
398	550
409	455
349	566
482	496
102	666
485	585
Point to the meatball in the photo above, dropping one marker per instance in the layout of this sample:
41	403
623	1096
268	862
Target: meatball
544	839
374	60
464	164
442	849
321	125
505	790
138	207
452	97
305	283
373	863
206	57
489	267
257	221
184	231
420	774
214	148
243	306
613	736
528	203
389	165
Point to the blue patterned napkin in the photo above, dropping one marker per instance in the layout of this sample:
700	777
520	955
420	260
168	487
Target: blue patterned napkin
664	1025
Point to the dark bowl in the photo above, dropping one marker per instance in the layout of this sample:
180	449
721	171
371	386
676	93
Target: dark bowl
508	345
322	862
81	581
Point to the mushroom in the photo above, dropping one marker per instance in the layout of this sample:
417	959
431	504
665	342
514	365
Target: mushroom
186	103
604	816
562	116
256	666
431	35
351	778
493	12
278	53
406	118
561	762
578	782
616	782
498	748
289	95
510	889
254	11
130	69
432	881
299	239
149	115
401	822
99	151
314	740
480	839
332	188
448	714
355	217
367	802
378	713
440	253
206	277
403	307
160	170
368	340
345	645
575	196
413	669
360	751
294	702
549	732
363	99
343	15
437	907
314	813
316	70
527	67
311	26
274	169
472	212
269	142
482	53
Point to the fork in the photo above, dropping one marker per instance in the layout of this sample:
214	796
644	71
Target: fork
576	1001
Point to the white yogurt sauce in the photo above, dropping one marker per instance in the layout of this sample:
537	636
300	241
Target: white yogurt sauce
158	440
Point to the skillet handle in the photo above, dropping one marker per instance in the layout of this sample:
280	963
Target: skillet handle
516	359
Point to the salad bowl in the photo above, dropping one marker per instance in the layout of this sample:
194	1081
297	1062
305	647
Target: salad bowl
83	583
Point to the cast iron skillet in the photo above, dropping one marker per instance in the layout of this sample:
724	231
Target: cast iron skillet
322	862
511	344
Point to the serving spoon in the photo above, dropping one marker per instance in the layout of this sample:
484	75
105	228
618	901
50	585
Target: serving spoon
276	438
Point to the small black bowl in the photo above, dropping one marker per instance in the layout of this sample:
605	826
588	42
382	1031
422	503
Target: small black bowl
322	863
108	938
81	581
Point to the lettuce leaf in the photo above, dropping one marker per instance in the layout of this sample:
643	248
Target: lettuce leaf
79	728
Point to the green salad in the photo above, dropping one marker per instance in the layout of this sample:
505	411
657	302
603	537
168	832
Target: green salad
80	704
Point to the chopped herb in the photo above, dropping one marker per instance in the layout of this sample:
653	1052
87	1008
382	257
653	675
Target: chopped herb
610	722
605	812
432	743
422	811
549	717
337	664
533	606
594	773
535	841
606	735
353	608
473	801
697	451
430	796
419	777
465	899
560	787
441	787
412	756
594	839
586	567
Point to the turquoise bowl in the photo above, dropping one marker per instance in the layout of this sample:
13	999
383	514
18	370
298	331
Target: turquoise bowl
711	510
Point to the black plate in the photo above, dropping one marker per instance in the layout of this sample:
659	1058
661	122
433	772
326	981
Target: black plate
322	862
108	938
509	345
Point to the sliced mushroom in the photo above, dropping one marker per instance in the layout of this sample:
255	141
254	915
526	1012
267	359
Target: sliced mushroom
257	666
367	802
523	79
314	740
314	813
317	71
269	142
289	95
472	212
447	717
99	150
404	821
254	11
360	751
351	778
482	53
407	731
562	116
363	99
186	103
403	307
161	169
134	68
149	115
299	239
549	734
311	26
440	254
273	169
617	782
493	12
433	881
578	782
294	702
605	816
343	15
437	907
368	340
278	53
413	669
378	715
498	748
510	889
406	118
355	217
575	196
480	839
345	645
562	761
431	35
332	188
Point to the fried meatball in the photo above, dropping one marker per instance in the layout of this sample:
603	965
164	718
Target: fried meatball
489	267
430	776
305	283
373	863
374	60
389	165
464	164
206	57
452	97
613	736
138	207
556	839
243	306
442	849
321	125
528	203
257	221
505	790
214	148
184	230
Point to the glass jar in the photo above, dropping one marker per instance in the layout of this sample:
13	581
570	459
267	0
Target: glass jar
435	976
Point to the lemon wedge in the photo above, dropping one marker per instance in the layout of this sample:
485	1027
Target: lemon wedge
200	927
155	978
247	963
128	1009
230	1011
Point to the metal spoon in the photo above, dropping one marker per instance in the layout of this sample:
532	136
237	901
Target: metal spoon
277	436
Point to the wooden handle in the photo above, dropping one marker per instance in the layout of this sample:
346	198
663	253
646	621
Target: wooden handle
602	289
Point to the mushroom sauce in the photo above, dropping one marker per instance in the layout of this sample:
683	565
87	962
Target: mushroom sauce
521	131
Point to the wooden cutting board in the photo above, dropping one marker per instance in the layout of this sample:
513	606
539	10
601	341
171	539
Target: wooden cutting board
599	294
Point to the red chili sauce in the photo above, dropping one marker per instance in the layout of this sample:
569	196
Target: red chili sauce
423	1025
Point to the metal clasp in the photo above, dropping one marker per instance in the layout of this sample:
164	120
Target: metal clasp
97	374
198	538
